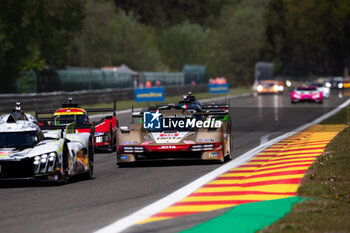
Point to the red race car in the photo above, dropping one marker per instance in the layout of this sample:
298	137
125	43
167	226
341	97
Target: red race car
105	128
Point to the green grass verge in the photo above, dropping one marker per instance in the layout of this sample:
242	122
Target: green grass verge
339	118
126	104
327	183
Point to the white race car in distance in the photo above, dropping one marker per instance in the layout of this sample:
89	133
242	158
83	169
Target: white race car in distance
322	87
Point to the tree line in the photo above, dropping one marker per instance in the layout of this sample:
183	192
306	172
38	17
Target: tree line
307	37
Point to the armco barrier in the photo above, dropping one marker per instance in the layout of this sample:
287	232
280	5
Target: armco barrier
54	99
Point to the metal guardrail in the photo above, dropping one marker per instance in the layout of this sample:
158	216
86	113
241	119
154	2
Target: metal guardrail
53	99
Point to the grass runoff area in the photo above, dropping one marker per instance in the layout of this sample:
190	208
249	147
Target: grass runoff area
327	185
126	104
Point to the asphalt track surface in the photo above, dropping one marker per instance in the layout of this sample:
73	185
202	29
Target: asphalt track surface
88	205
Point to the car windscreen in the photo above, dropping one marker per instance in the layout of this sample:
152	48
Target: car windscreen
306	89
66	119
268	84
18	140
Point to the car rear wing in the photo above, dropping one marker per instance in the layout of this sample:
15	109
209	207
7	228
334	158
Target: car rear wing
70	128
163	107
113	110
213	113
215	106
88	110
51	121
204	113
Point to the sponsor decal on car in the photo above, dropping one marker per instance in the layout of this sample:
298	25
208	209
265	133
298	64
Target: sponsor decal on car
146	143
98	133
130	142
206	140
124	157
213	154
168	147
4	153
168	137
3	156
189	142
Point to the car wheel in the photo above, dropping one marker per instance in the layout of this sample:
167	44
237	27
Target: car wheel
229	155
222	160
65	165
122	165
89	174
112	146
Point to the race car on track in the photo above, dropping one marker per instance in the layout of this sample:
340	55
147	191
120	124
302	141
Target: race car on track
306	94
337	83
189	102
270	87
105	128
54	154
326	91
171	132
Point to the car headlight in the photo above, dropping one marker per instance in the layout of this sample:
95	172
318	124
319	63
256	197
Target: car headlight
44	163
280	88
340	85
133	149
202	147
275	87
102	137
259	88
328	84
296	96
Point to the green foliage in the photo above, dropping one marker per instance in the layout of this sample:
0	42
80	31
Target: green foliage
188	43
34	61
241	33
33	33
26	82
308	37
109	37
5	45
227	36
164	14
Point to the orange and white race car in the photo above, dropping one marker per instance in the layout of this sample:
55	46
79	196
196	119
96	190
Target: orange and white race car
270	87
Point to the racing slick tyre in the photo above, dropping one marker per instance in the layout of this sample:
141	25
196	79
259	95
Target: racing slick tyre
123	165
112	147
230	155
65	165
89	174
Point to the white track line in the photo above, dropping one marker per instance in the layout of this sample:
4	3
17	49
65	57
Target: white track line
183	192
265	138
